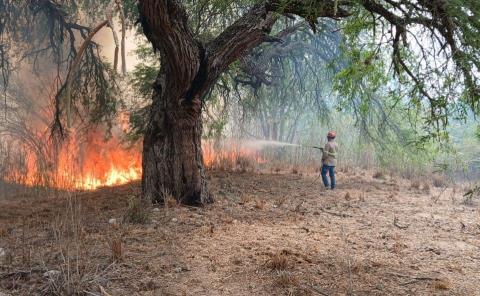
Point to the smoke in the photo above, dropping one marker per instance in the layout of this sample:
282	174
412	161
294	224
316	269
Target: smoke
105	39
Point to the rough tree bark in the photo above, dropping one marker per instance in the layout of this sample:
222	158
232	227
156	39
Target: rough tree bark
172	153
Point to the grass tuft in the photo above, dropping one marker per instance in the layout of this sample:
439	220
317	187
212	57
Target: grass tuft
137	212
286	280
379	175
415	185
277	262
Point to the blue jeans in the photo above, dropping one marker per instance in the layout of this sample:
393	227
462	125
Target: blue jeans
331	171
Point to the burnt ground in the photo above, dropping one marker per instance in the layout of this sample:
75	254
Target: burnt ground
267	234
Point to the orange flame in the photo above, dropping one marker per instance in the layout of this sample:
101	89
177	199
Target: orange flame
85	165
95	163
98	163
229	154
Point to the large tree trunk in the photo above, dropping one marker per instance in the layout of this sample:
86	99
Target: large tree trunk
172	153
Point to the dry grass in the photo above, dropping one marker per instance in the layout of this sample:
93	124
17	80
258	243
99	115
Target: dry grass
227	248
224	164
415	185
245	199
76	274
244	164
347	196
169	201
282	200
439	181
137	212
426	187
285	280
277	262
260	204
116	248
470	194
379	175
3	231
442	284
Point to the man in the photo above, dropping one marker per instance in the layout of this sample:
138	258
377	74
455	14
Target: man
329	160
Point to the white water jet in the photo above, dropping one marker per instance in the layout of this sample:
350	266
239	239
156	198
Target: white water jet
259	144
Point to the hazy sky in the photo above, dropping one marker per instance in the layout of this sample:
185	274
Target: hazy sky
105	38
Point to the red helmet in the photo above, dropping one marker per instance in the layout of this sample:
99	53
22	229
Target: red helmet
331	134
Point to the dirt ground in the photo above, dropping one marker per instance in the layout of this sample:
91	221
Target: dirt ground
267	234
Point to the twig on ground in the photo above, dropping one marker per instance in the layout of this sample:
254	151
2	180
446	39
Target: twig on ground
342	215
395	222
414	277
315	289
102	290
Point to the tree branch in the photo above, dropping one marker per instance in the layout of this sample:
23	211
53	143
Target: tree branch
165	24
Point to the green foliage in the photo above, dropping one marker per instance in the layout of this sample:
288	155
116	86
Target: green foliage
145	72
427	69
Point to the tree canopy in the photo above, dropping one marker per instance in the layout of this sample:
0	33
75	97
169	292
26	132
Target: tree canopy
429	49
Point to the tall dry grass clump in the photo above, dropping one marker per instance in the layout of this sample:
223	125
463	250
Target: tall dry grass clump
75	273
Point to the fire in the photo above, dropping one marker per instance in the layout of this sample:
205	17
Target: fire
97	162
230	154
85	164
90	162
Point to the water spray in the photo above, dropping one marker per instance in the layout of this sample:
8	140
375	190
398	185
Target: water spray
258	144
314	147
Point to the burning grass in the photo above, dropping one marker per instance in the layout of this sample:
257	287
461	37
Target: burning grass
86	164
